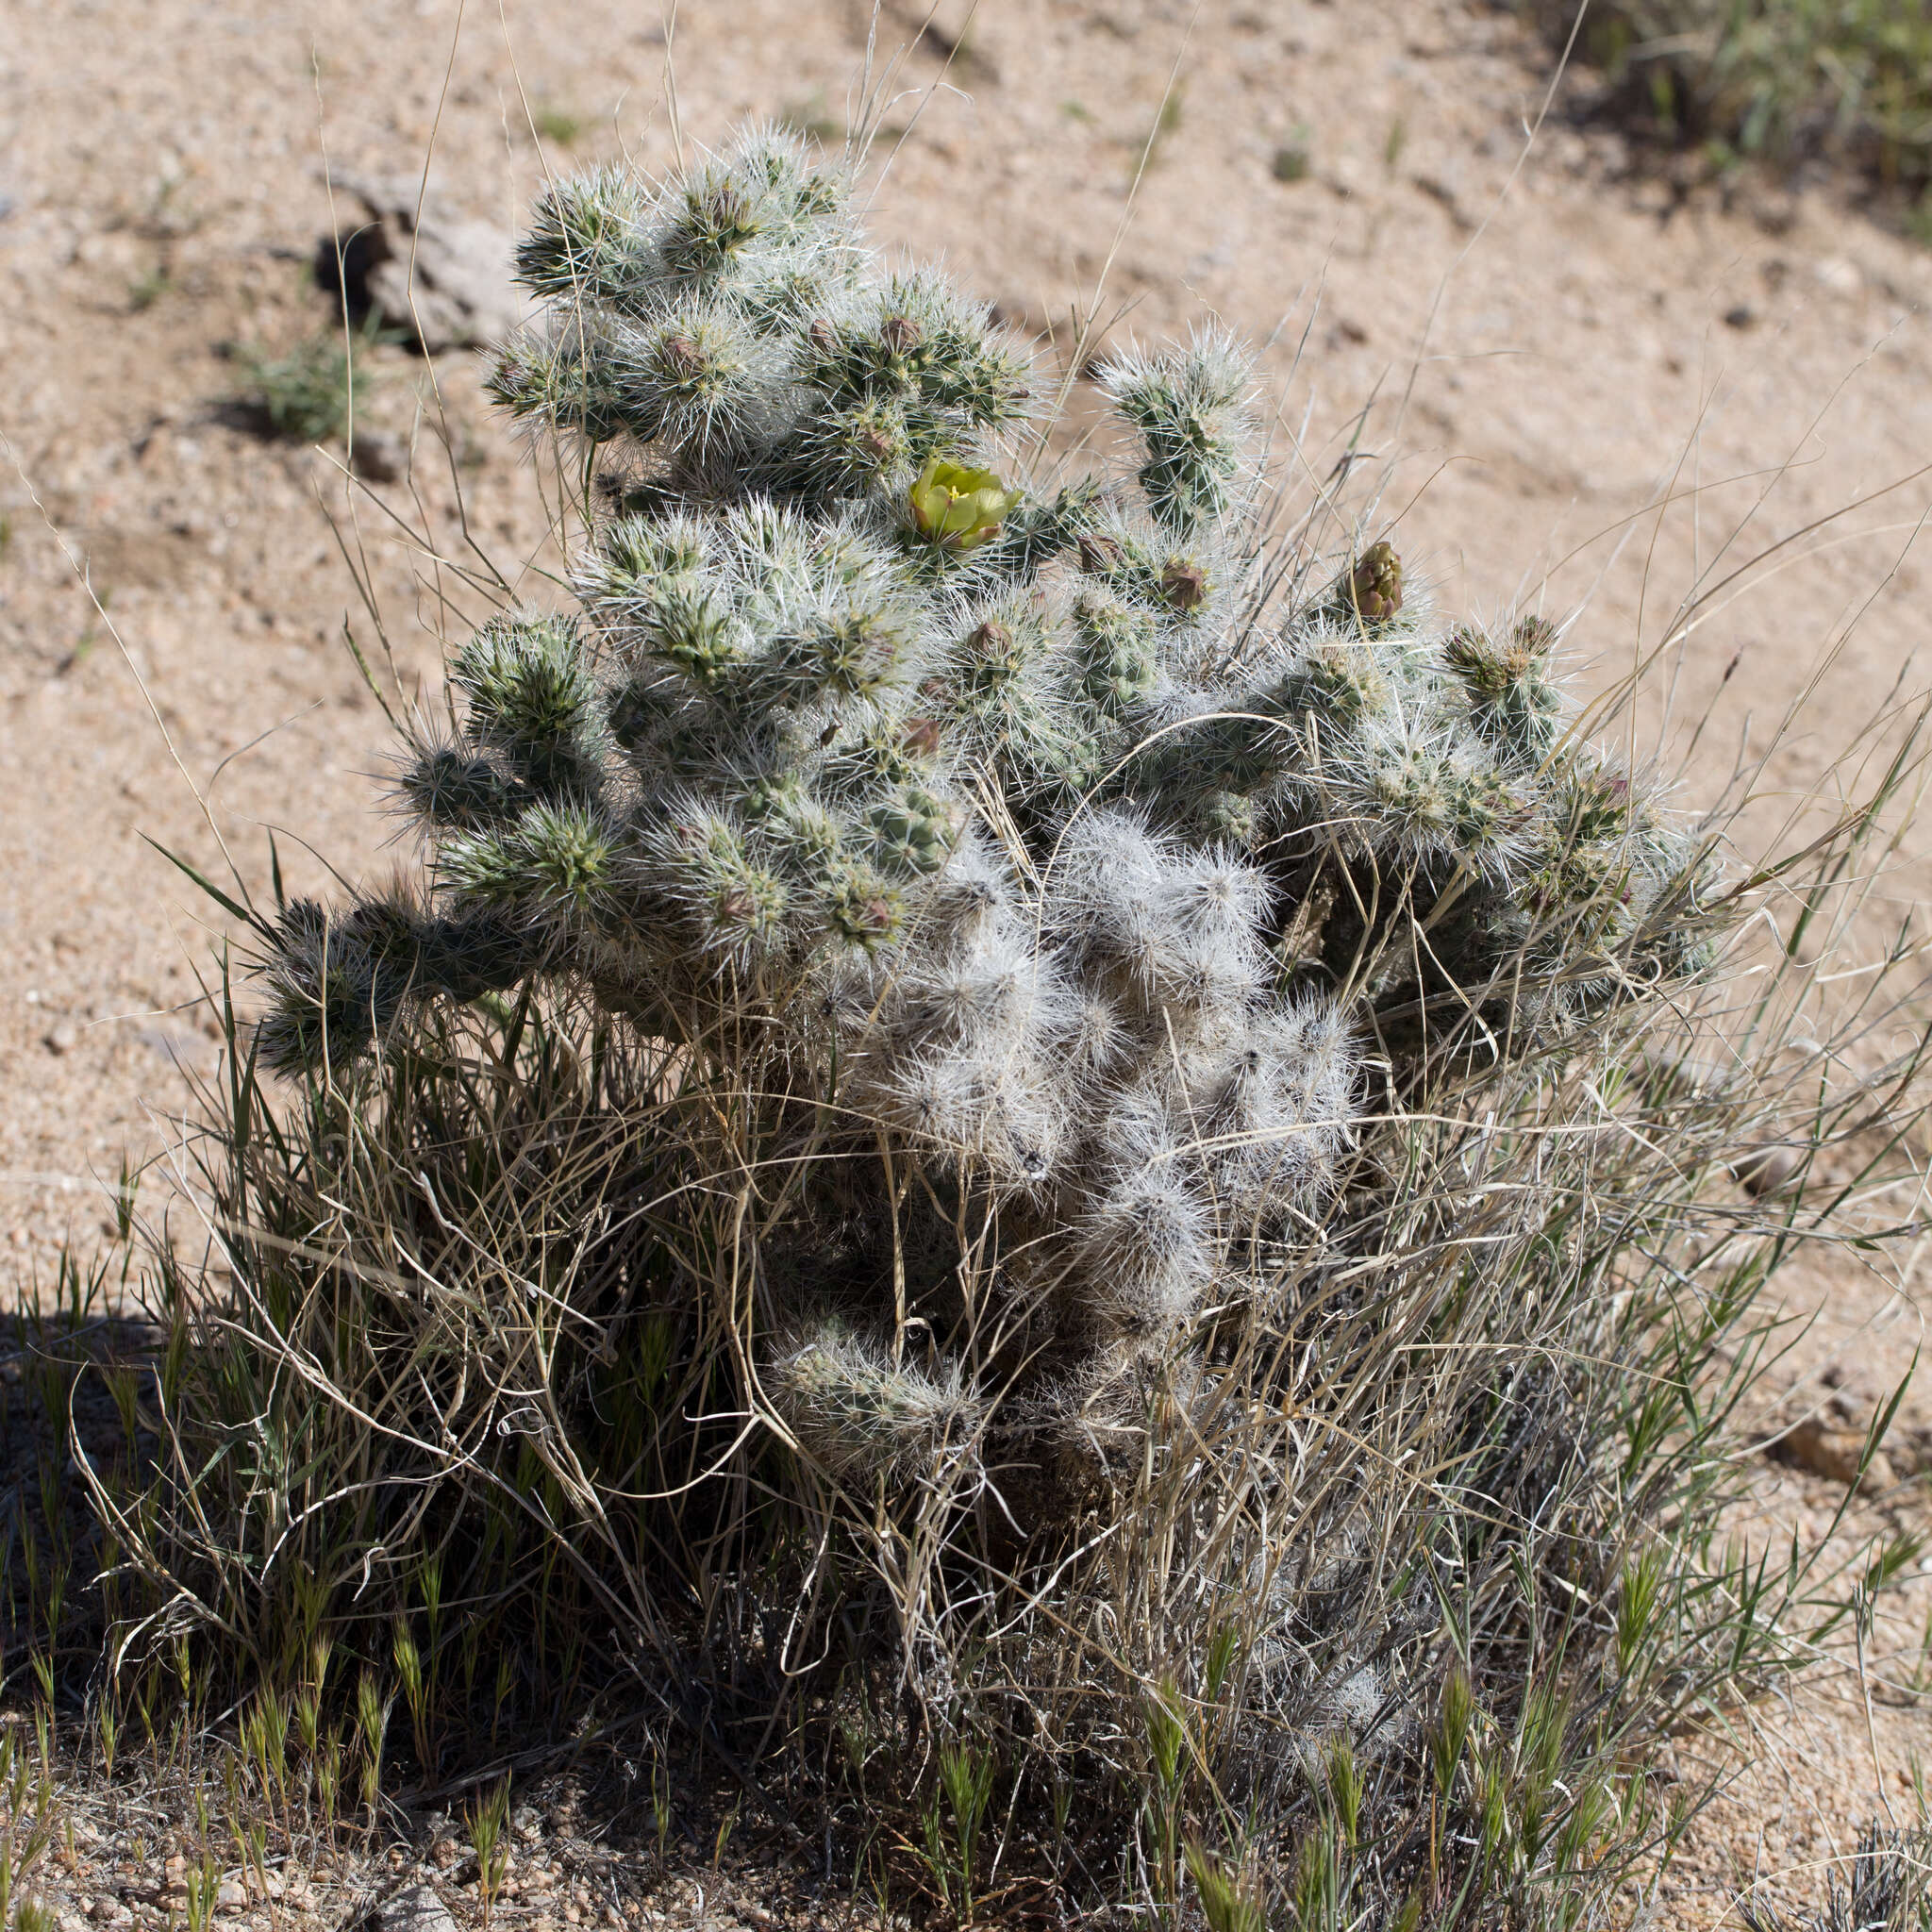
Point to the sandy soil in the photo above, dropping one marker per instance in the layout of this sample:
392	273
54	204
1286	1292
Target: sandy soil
1591	387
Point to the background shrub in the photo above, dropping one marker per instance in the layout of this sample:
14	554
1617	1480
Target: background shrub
1779	80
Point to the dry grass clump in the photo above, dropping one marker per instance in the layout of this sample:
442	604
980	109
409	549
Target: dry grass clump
1035	1159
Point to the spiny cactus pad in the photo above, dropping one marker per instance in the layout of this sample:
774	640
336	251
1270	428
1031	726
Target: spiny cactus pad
1068	843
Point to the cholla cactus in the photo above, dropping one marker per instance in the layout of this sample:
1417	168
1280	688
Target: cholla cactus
1064	849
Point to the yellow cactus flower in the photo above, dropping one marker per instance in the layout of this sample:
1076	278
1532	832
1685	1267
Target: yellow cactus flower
960	508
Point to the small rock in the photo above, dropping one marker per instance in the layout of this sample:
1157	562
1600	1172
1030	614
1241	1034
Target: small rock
416	1908
230	1894
1769	1169
1815	1445
1743	316
378	456
443	280
1444	186
63	1039
1840	276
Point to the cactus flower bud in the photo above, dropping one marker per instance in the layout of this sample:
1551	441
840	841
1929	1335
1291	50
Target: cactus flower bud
1184	584
960	508
921	738
1373	587
1099	554
901	334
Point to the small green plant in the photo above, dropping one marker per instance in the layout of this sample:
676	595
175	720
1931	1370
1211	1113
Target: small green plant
27	1825
148	289
304	394
488	1820
1775	81
811	119
1292	159
559	126
726	1826
664	1813
1166	123
955	1816
202	1883
372	1726
1231	1901
1169	1767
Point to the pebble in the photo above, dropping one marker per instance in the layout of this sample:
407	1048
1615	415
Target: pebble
378	456
415	1909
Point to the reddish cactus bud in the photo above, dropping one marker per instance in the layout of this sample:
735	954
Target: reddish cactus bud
1100	554
1184	584
1372	590
921	738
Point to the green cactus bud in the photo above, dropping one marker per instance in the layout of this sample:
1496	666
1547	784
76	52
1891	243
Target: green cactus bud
1482	810
737	905
776	304
856	1411
793	829
338	984
568	384
855	448
861	906
718	217
476	952
855	653
690	382
960	508
690	626
1338	682
914	831
1189	407
1511	700
1415	793
1230	817
637	556
1595	806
